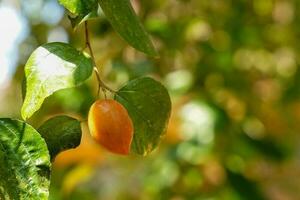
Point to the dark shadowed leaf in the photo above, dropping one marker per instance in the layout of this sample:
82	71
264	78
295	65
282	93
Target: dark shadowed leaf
24	162
52	67
124	20
61	133
149	106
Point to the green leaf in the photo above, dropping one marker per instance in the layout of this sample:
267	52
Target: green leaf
61	133
79	7
124	20
50	68
149	106
24	162
82	10
76	21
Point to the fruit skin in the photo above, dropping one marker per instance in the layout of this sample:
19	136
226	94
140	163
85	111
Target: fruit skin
111	126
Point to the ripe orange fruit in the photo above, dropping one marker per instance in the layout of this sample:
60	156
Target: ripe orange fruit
111	126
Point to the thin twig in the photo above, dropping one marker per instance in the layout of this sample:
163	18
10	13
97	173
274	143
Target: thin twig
101	82
88	45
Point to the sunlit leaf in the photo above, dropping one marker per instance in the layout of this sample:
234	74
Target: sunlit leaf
24	162
61	133
149	106
75	21
124	20
52	67
82	10
79	7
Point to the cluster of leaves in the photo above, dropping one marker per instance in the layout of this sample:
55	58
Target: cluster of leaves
224	55
26	153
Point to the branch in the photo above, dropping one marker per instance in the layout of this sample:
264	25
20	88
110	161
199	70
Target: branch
88	45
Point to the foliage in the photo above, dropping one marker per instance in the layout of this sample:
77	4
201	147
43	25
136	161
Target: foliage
149	106
56	66
52	67
124	20
25	162
65	128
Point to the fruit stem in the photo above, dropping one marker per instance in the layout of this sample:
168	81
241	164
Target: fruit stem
101	84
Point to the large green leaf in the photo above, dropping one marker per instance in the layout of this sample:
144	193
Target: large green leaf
52	67
149	106
24	162
61	133
124	20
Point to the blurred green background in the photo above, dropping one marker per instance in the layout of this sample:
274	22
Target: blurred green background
231	67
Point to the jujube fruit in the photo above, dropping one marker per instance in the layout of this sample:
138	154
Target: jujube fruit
111	126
